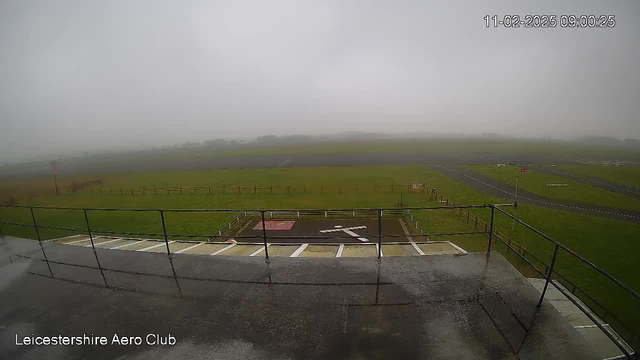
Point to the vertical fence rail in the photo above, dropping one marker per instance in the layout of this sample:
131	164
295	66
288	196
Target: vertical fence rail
379	234
264	237
35	226
164	232
549	274
493	210
93	246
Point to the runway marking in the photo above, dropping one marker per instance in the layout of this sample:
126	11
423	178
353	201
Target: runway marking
189	248
125	245
284	163
104	242
348	231
259	250
299	250
340	250
223	249
155	246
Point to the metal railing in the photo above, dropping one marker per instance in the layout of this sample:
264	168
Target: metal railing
628	346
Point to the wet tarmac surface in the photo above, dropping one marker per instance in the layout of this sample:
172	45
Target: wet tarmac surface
427	307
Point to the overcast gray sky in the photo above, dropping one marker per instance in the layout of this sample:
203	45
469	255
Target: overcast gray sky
95	74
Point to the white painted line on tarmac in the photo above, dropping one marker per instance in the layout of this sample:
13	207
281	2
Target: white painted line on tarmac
125	245
104	242
415	246
223	249
259	250
588	326
75	242
154	246
340	250
463	251
299	250
64	238
189	248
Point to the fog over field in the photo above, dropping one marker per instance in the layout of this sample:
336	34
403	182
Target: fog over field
90	75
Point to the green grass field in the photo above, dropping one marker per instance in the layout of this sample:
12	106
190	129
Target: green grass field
535	182
606	242
399	146
625	175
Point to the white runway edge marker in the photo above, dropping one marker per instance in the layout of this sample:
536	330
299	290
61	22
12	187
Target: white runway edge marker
104	242
299	250
259	250
340	250
189	248
223	249
125	245
348	231
154	246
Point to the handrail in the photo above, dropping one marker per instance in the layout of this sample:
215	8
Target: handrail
580	257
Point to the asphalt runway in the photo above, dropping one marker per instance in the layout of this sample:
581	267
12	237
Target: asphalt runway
490	186
603	184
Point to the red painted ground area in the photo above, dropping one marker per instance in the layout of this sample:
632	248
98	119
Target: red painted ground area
274	225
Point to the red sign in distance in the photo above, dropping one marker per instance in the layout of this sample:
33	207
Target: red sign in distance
524	170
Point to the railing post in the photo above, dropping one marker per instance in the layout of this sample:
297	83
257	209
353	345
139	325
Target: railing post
164	231
2	234
379	234
493	210
264	237
549	274
93	246
35	226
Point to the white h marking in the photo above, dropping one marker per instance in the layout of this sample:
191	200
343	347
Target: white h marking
348	231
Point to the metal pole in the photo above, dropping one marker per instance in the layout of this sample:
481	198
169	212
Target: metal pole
35	225
379	234
2	234
515	199
549	274
164	231
55	182
493	210
264	237
93	246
